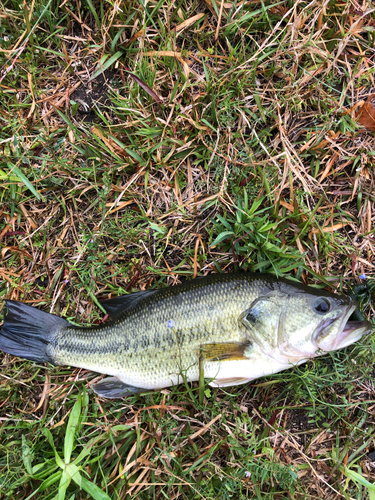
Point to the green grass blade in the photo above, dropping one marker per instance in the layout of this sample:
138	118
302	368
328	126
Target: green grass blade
358	478
24	179
71	429
108	63
71	125
93	11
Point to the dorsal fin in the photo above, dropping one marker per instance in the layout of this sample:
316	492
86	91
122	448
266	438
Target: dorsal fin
115	307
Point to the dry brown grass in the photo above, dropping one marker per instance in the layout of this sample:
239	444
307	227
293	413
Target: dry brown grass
117	183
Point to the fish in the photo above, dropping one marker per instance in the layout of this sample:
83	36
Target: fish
230	328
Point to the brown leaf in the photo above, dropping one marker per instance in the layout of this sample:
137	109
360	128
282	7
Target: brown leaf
120	206
142	84
189	22
170	53
110	143
366	114
330	229
15	249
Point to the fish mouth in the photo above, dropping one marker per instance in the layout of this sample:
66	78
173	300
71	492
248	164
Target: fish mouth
350	331
353	331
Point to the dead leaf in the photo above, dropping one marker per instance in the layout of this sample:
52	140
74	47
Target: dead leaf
330	229
327	170
144	85
170	53
189	22
366	114
287	205
134	37
15	249
119	206
28	218
110	143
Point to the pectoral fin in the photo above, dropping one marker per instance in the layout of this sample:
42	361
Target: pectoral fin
113	388
228	351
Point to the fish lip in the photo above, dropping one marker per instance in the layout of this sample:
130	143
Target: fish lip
351	330
323	325
348	332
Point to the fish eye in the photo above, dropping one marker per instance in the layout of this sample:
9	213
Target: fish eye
322	305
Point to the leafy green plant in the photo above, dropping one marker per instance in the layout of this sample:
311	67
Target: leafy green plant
67	468
254	239
357	477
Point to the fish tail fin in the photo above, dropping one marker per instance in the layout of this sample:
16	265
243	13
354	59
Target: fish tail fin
27	331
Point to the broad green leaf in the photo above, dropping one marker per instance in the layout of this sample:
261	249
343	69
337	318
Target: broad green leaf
58	459
64	483
222	236
26	456
358	478
134	155
93	490
268	226
225	222
86	450
7	177
203	120
45	471
160	229
50	480
46	484
255	205
71	429
271	247
73	472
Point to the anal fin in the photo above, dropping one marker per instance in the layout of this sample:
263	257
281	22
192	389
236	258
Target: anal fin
226	351
227	382
112	388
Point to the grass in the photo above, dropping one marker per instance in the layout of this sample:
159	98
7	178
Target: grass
144	143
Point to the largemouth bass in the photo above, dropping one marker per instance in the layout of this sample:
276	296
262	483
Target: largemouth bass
235	327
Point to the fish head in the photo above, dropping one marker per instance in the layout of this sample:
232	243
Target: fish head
297	325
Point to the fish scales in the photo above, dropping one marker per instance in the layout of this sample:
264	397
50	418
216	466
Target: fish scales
162	336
